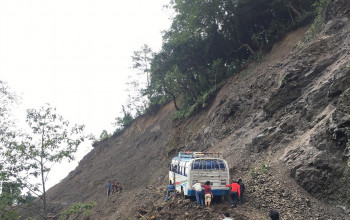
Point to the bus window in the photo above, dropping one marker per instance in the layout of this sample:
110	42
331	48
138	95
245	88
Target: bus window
222	165
208	164
216	165
201	165
185	174
195	165
175	168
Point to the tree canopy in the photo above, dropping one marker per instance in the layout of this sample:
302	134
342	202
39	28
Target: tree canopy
50	140
210	40
9	189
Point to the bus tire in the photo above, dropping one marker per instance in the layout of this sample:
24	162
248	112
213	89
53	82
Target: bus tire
183	194
223	198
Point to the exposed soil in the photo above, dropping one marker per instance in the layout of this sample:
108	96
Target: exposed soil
283	126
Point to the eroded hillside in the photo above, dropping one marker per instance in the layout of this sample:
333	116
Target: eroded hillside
282	124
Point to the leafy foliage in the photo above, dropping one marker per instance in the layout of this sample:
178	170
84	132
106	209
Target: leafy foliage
10	194
104	135
209	41
8	214
51	140
77	209
141	61
7	126
123	122
10	189
139	84
319	9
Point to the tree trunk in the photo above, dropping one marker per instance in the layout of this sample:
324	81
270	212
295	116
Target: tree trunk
174	98
247	46
44	190
42	173
298	13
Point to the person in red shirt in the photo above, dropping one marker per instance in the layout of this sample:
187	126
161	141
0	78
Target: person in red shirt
207	193
235	193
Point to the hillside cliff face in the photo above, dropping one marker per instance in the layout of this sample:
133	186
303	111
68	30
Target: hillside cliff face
283	125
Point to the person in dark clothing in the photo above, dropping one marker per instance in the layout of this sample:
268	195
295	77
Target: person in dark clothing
241	184
115	186
227	216
109	188
274	215
171	189
235	193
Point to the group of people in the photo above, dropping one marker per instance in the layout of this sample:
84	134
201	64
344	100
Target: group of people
113	188
237	189
236	192
208	195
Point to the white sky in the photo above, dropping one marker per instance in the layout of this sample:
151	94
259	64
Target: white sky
76	55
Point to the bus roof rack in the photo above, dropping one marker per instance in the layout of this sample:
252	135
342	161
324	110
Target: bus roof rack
190	154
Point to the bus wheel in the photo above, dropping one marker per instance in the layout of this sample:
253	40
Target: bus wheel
223	198
183	194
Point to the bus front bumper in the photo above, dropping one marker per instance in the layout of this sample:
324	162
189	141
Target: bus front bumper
216	192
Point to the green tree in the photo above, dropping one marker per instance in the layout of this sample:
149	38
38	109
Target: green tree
123	122
10	190
209	40
7	100
139	83
104	135
10	194
52	139
141	62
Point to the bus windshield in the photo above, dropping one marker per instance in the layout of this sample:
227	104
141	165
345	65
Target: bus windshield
208	164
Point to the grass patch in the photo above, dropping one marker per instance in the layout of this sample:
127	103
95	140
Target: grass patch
201	103
77	209
319	11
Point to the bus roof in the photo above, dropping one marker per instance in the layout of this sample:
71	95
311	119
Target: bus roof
187	155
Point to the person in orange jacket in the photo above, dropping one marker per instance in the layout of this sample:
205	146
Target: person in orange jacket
235	193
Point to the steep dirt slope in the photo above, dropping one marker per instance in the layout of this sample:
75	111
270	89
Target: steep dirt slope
283	125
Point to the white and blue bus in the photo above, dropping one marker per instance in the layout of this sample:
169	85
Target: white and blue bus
189	168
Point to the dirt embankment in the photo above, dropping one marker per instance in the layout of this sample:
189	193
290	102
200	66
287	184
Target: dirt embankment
283	125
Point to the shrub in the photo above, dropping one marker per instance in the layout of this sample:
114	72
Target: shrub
77	209
319	9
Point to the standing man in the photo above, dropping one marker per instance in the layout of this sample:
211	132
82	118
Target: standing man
109	187
199	196
235	193
241	184
171	188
